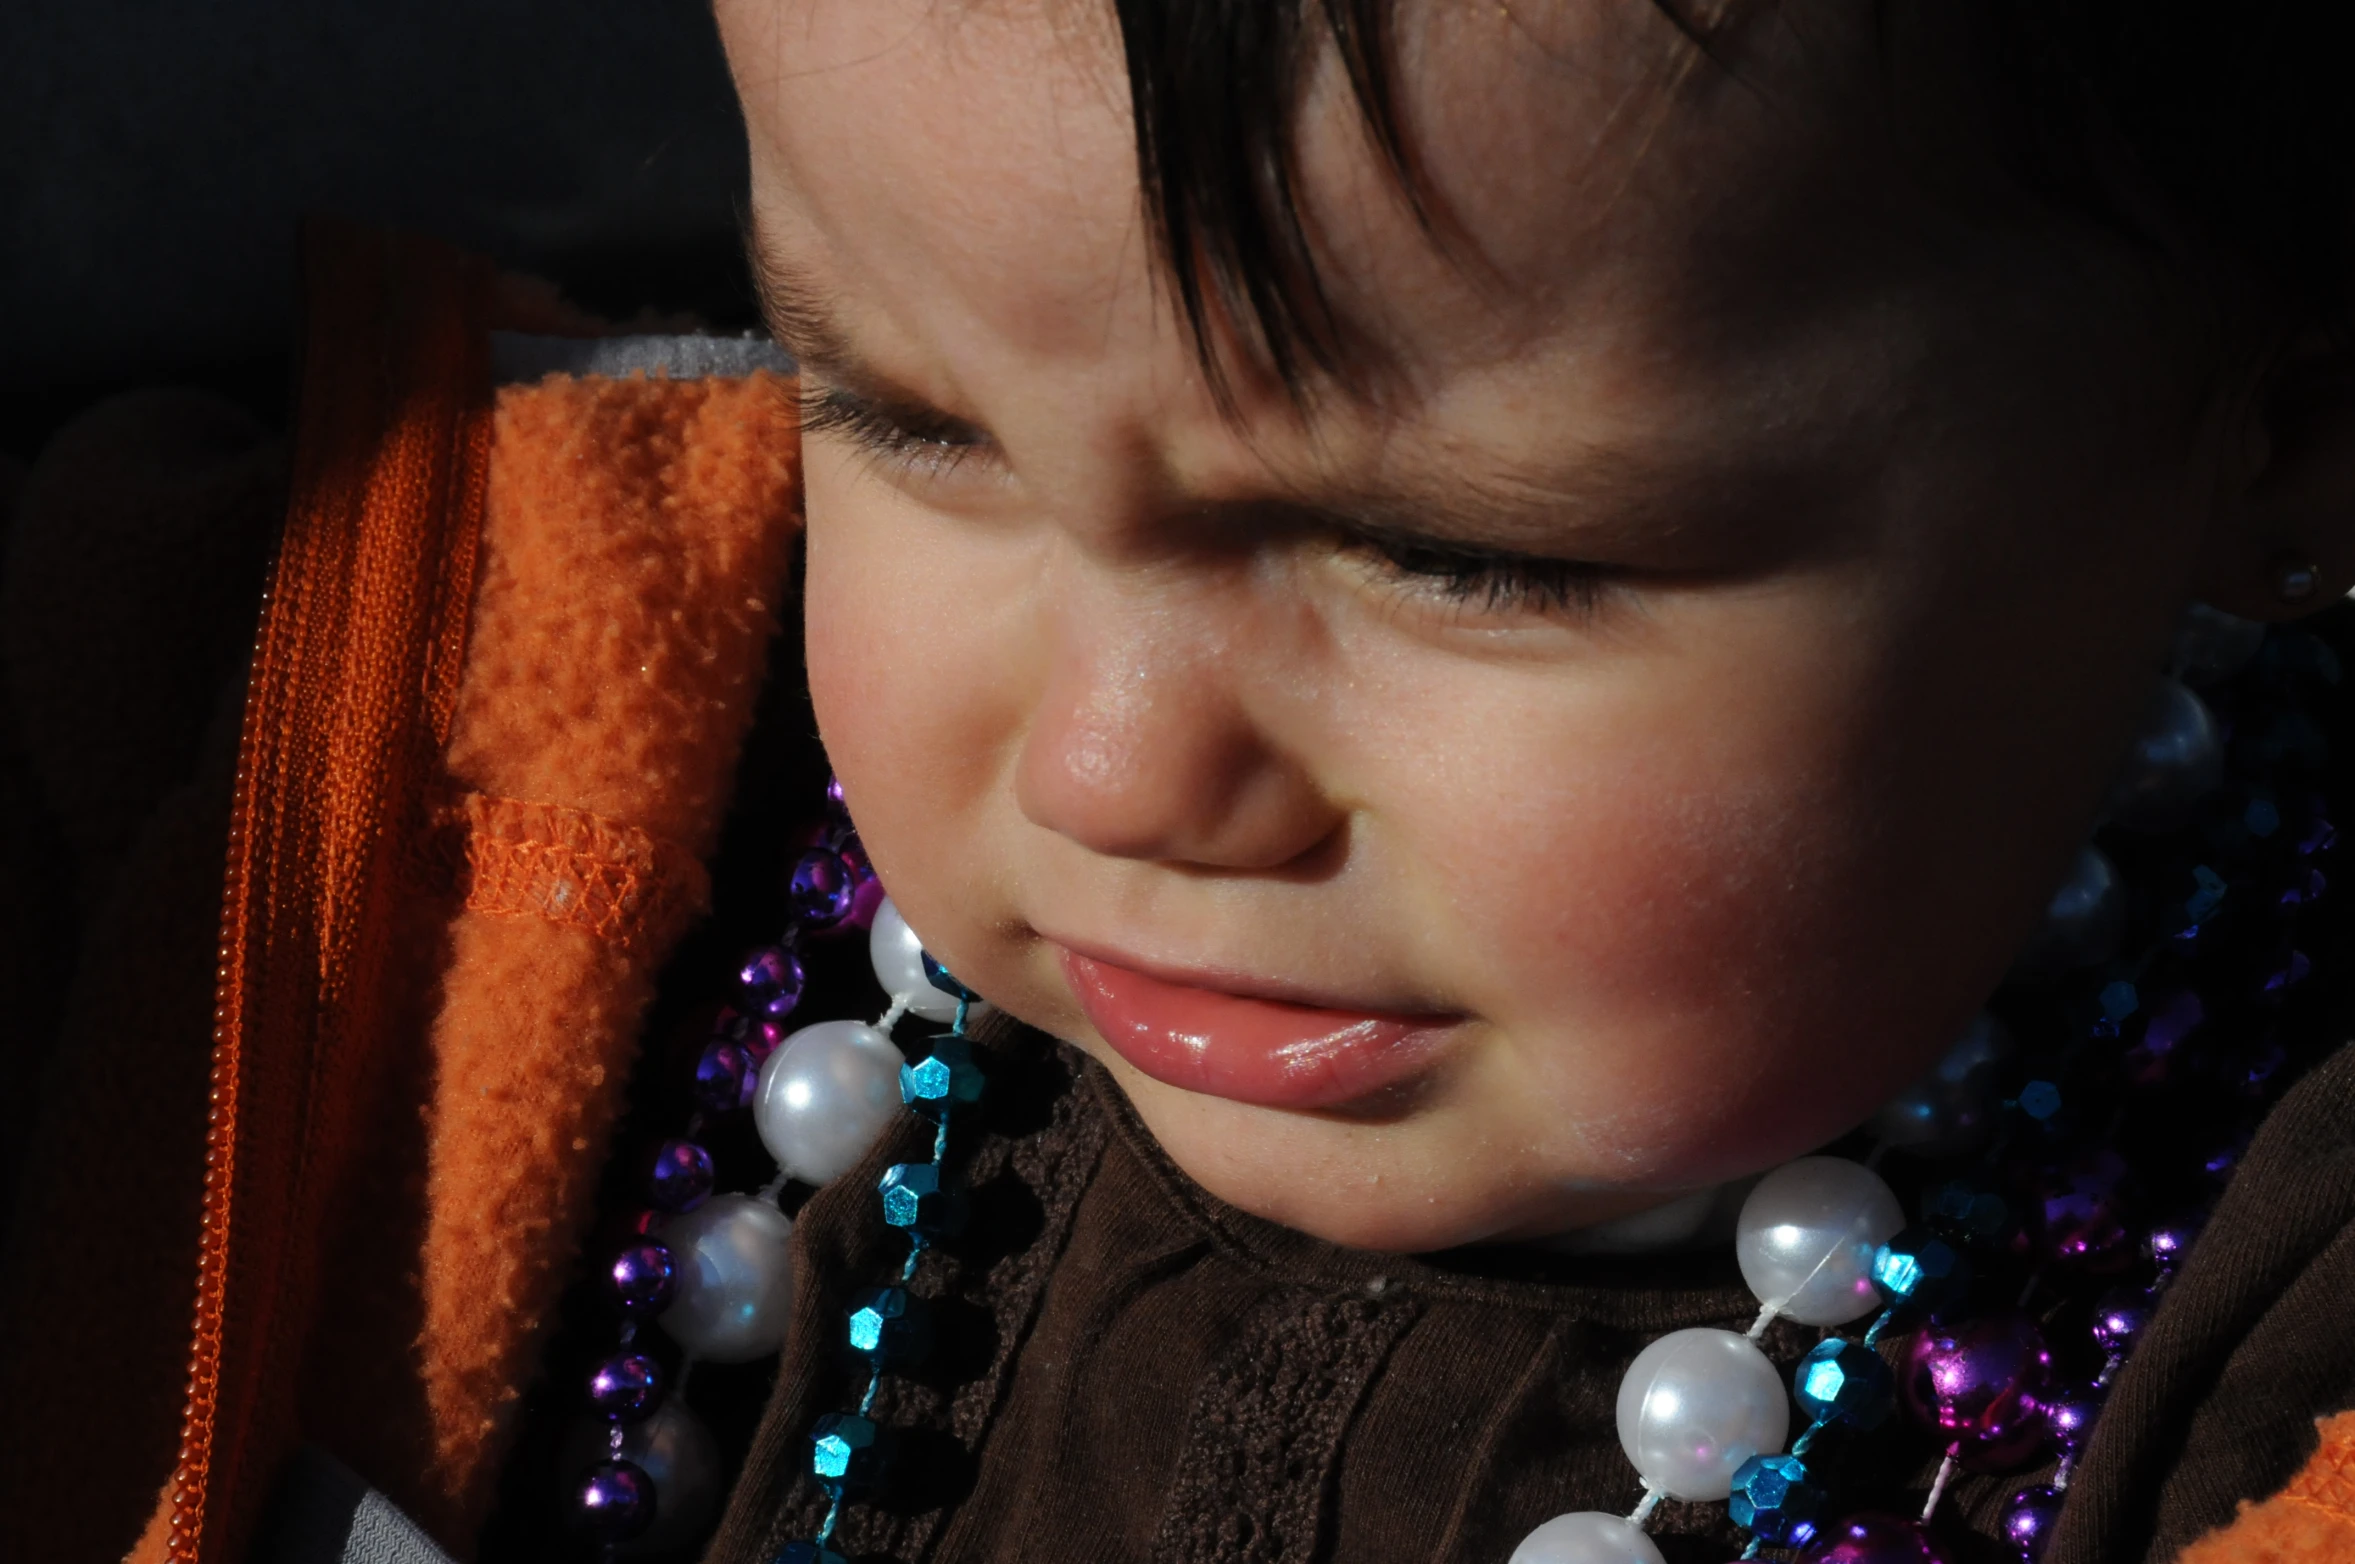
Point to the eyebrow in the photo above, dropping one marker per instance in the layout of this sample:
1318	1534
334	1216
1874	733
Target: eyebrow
1620	498
805	316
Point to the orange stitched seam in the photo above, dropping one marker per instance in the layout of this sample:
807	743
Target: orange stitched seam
512	858
2327	1483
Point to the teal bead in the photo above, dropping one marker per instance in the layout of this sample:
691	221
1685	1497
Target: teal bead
946	1081
890	1328
941	978
1963	1207
807	1553
846	1452
1845	1382
915	1199
1922	1270
1776	1500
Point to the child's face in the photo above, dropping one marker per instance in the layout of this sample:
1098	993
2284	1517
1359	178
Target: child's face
1895	484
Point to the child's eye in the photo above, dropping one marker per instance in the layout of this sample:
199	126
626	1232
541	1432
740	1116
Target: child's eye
1491	581
911	440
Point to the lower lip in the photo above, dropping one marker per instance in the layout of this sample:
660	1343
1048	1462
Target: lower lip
1259	1051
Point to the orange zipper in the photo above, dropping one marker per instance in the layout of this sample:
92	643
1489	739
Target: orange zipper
348	701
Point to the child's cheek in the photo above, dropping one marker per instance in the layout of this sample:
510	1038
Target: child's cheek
1676	910
917	693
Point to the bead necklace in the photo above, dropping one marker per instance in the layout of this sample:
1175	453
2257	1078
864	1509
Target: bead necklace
714	1270
1822	1241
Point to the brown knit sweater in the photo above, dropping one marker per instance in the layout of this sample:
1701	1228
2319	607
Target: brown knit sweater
1145	1374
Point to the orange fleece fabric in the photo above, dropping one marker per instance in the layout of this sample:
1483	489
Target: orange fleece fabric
2312	1521
635	543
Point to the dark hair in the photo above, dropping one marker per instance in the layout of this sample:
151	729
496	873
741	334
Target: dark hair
2239	111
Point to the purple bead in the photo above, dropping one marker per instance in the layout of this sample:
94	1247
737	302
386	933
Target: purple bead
820	890
2223	1158
867	890
2172	1239
834	792
2173	1018
681	1177
2319	834
2069	1416
1981	1382
615	1499
2287	973
772	980
2306	886
2119	1318
724	1077
2028	1520
765	1040
625	1387
643	1276
2080	1210
1875	1539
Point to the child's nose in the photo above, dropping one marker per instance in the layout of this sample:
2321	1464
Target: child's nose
1145	749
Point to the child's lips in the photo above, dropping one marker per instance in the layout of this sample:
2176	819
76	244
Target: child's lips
1269	1052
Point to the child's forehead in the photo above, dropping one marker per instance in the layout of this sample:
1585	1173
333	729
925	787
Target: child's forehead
1558	143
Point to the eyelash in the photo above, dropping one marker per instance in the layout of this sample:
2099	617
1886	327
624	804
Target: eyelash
1489	582
1495	582
928	449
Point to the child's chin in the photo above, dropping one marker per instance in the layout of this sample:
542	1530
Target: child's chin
1408	1183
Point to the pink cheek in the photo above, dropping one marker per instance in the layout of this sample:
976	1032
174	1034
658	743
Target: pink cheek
1667	962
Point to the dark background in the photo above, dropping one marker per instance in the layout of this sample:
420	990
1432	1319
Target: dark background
155	157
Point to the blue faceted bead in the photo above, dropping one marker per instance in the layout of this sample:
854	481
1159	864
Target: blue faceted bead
938	976
1774	1498
889	1328
1845	1382
1965	1208
947	1080
846	1452
915	1199
807	1553
1921	1269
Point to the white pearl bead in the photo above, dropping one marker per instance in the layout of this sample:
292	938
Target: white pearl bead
2176	760
735	1278
1952	1109
1694	1406
677	1451
899	966
2212	645
1589	1537
824	1096
2084	921
1807	1234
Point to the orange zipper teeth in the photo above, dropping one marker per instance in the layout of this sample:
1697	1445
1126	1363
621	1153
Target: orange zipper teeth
220	1135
